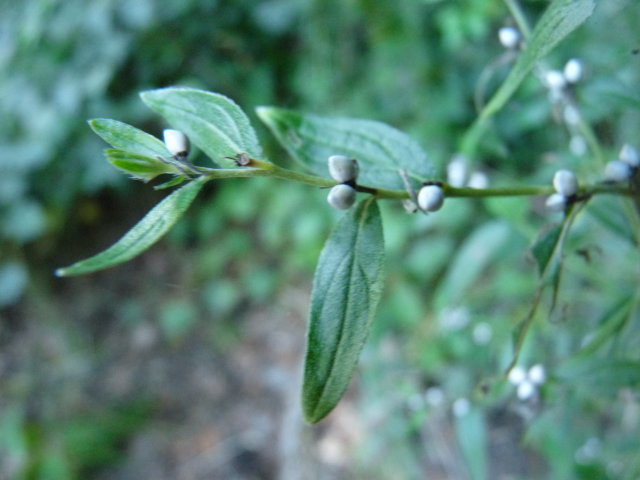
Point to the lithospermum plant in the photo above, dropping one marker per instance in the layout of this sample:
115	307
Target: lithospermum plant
361	162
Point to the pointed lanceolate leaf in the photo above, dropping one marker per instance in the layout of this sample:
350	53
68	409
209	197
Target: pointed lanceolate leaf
546	246
138	166
130	139
346	290
144	234
211	121
381	150
560	19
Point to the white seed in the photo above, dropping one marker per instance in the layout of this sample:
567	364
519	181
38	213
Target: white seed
565	182
343	169
555	80
573	71
526	390
457	171
571	115
537	374
517	375
482	333
341	196
176	142
509	37
618	171
629	154
556	202
430	198
578	145
461	407
478	180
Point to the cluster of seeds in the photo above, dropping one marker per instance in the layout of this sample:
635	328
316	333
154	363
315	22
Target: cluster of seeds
344	170
565	183
625	167
527	382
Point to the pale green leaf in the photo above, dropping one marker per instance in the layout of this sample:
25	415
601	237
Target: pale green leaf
144	234
346	290
130	139
213	123
380	149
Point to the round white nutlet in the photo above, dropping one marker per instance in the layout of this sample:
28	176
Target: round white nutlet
556	202
629	154
457	171
618	171
517	375
430	198
537	374
461	407
509	37
526	390
573	71
555	80
565	182
343	169
341	196
176	142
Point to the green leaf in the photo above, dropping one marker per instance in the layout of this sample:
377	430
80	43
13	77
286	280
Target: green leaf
546	246
144	234
130	139
559	20
212	122
139	166
346	290
380	149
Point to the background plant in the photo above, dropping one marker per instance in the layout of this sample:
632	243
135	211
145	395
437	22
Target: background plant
510	153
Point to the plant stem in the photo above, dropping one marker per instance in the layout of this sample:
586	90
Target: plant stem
271	170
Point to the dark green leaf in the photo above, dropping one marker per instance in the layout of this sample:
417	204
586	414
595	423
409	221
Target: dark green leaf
545	246
601	375
211	121
144	234
346	290
559	20
130	139
139	166
380	149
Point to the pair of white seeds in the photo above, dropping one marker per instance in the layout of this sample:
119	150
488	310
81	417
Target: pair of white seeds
342	196
565	182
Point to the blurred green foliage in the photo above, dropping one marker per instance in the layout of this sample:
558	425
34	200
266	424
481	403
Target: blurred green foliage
413	64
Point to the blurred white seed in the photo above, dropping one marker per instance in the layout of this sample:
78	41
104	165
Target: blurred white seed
343	169
618	171
554	80
457	171
341	196
461	407
556	202
578	145
537	374
629	154
434	396
526	390
571	115
573	71
565	182
430	198
482	333
176	142
517	375
478	180
509	37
